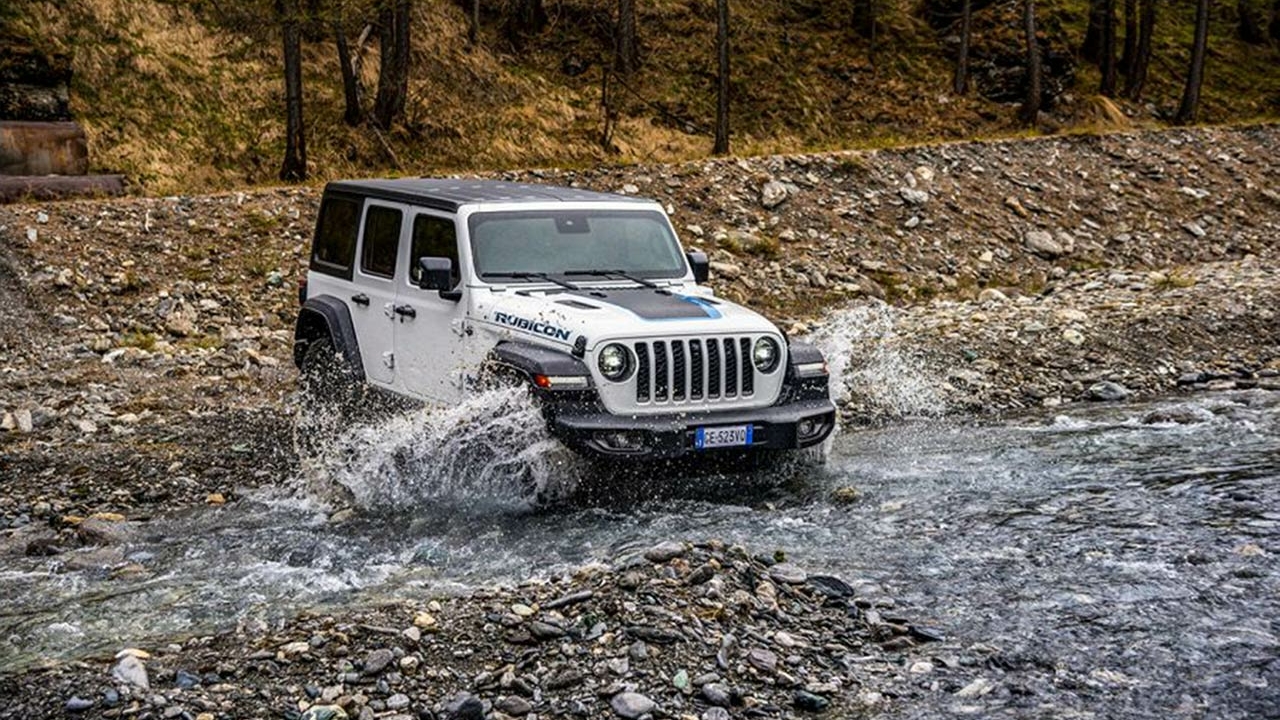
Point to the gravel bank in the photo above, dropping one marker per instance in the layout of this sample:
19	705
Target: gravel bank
145	358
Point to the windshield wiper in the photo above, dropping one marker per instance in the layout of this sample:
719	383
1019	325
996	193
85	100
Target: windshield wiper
619	273
532	276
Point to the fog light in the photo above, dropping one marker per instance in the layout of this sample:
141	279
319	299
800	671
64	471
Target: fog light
806	428
621	440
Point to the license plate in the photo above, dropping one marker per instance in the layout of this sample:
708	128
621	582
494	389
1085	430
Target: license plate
714	437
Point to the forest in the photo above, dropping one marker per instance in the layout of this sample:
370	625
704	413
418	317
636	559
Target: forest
193	94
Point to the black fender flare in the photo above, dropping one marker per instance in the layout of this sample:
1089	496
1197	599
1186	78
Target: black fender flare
529	360
802	353
327	315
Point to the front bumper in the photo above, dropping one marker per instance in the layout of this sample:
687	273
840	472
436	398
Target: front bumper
593	431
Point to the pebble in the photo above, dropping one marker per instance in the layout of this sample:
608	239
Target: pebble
78	704
513	705
762	660
788	574
631	705
1108	391
665	552
811	702
716	694
324	712
716	713
130	671
399	701
377	661
464	706
977	688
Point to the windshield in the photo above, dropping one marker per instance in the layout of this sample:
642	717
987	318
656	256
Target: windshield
524	244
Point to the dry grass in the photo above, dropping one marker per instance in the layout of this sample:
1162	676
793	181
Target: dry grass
180	105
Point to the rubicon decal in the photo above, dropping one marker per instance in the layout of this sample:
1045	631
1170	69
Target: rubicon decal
533	326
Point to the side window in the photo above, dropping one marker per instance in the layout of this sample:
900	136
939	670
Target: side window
434	237
381	241
334	247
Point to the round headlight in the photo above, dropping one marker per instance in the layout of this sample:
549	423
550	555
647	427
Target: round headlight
614	362
766	355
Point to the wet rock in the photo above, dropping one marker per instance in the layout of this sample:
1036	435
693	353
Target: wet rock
1108	391
631	705
700	575
845	495
977	688
832	587
665	552
811	702
130	671
97	531
788	574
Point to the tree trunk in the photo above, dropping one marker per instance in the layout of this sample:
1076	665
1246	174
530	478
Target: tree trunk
1195	74
527	18
626	52
1107	58
864	18
1130	35
722	78
393	72
961	82
295	151
473	29
1031	105
1091	48
352	88
1252	28
1136	75
1274	29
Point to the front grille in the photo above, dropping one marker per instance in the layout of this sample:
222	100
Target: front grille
683	371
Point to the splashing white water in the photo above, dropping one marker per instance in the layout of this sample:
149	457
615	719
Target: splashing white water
492	448
870	374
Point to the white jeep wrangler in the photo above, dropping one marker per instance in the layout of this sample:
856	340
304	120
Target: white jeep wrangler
425	287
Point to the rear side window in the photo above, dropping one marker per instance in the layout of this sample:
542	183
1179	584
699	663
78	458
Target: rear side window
434	237
381	241
335	245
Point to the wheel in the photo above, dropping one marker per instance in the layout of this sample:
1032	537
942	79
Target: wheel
326	400
325	382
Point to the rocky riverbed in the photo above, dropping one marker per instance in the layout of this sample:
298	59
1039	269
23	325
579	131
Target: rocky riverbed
145	365
674	630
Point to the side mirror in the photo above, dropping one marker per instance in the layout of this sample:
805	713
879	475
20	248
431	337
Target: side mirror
437	274
701	266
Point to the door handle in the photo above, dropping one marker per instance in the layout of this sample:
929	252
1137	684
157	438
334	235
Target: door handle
406	311
360	299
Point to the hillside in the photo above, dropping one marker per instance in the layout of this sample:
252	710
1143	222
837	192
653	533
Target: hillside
181	97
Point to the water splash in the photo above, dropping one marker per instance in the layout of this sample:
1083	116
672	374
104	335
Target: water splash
492	449
872	378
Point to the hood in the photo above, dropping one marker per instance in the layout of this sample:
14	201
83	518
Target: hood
558	316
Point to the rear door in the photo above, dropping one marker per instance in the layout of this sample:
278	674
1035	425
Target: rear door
373	296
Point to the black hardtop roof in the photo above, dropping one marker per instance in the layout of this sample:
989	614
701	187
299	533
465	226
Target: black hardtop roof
450	194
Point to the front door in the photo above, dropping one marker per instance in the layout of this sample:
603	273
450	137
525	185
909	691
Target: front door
373	298
432	343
